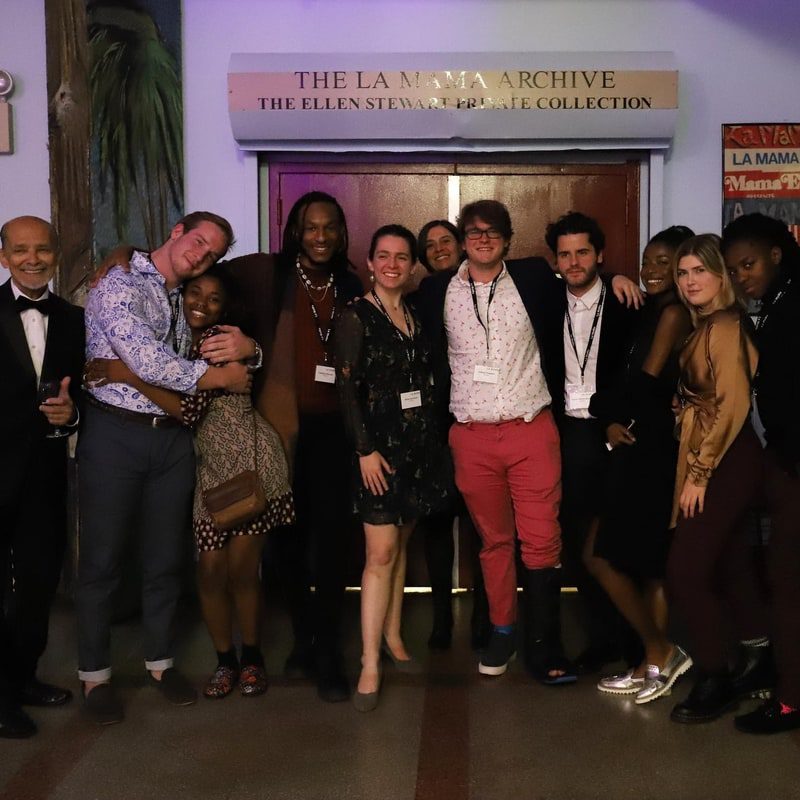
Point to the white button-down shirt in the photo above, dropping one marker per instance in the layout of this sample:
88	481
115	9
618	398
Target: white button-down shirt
509	346
34	323
581	312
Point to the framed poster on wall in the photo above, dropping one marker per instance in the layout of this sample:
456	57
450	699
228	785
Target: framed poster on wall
761	172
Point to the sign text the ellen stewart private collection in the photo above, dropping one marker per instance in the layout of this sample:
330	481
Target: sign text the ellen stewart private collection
469	90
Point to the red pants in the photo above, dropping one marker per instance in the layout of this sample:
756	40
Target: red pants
509	474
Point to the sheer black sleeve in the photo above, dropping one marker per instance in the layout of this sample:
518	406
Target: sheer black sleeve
348	347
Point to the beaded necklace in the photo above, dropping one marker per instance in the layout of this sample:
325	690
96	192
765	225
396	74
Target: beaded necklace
308	285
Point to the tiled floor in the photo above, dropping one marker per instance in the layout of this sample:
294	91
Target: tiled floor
446	735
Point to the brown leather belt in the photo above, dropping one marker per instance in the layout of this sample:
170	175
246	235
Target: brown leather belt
151	420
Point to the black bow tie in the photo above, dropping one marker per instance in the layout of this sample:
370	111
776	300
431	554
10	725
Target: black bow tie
43	306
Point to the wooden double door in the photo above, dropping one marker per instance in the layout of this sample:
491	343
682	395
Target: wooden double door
414	191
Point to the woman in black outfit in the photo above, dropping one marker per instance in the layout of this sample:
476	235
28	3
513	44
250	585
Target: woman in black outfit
440	249
628	553
764	259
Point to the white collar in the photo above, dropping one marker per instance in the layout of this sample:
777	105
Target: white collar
17	293
588	300
463	273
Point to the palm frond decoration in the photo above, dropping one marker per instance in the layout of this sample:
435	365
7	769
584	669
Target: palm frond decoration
137	116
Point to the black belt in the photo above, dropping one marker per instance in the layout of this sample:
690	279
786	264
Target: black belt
151	420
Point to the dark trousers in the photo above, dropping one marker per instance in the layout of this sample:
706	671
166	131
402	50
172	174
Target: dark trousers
315	550
782	499
437	533
584	460
711	572
132	479
32	540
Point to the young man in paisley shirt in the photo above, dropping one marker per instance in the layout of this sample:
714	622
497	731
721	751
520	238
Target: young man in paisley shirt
136	463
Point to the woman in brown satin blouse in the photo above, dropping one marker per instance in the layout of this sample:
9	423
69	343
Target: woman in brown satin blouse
710	573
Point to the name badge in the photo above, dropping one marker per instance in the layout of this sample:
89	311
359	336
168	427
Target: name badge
410	399
578	397
323	374
484	374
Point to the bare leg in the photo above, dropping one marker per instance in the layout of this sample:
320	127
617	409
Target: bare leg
244	586
391	626
383	546
627	597
655	595
215	602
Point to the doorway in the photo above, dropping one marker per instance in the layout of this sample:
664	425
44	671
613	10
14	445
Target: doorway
378	189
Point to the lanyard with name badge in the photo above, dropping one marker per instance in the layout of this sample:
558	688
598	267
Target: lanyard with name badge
413	397
577	396
483	372
323	373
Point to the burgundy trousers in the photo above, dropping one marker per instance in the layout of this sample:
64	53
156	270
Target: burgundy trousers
711	574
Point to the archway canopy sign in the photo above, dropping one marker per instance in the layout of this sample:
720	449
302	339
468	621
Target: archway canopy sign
453	100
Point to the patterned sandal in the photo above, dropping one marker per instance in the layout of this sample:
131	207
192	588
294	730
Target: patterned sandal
252	681
221	683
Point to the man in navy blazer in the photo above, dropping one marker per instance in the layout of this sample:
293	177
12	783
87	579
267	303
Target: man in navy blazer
593	342
41	338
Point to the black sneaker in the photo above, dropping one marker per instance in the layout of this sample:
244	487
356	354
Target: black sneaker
501	650
772	717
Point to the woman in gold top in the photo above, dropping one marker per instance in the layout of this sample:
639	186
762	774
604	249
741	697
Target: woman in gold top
710	573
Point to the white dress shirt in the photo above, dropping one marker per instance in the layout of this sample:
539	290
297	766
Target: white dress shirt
520	391
34	323
581	312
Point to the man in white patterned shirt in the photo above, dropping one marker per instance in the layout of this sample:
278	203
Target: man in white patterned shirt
136	462
497	323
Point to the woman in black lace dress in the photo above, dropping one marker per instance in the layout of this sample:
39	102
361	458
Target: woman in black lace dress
628	554
400	471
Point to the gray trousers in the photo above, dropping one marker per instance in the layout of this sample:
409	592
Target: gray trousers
133	480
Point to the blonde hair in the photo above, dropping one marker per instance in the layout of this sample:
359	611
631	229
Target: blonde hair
706	248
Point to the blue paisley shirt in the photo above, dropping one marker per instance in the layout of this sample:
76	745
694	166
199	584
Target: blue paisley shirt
132	316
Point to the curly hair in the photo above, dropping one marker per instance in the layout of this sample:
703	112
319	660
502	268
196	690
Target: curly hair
766	230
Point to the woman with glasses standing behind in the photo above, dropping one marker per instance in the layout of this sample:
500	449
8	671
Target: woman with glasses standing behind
439	250
384	378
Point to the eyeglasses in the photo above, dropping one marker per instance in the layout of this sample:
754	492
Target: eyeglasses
478	233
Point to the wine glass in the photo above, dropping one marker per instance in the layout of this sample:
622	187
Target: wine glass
49	387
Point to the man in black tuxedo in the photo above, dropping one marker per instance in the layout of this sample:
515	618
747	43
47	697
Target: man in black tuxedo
41	338
594	341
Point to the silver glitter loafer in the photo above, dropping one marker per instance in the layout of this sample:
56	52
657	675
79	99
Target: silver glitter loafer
658	682
623	683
